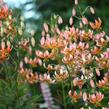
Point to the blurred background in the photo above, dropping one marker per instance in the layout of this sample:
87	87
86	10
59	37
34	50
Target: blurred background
36	12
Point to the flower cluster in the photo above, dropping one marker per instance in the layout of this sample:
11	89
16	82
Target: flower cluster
76	56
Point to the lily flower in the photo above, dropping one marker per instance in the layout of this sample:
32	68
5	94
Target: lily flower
75	96
97	24
61	75
96	98
102	83
4	12
45	78
4	51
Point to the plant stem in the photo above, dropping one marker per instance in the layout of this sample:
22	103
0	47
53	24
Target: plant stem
63	92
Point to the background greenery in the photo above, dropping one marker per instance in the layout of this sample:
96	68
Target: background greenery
38	11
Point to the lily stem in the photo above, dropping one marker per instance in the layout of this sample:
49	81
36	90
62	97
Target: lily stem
64	99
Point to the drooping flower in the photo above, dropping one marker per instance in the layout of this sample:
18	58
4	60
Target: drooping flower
61	75
45	55
75	96
96	98
49	67
46	78
78	82
96	50
4	51
4	12
102	83
33	62
96	25
29	76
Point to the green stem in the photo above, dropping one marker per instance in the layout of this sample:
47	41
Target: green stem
85	10
63	92
69	76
